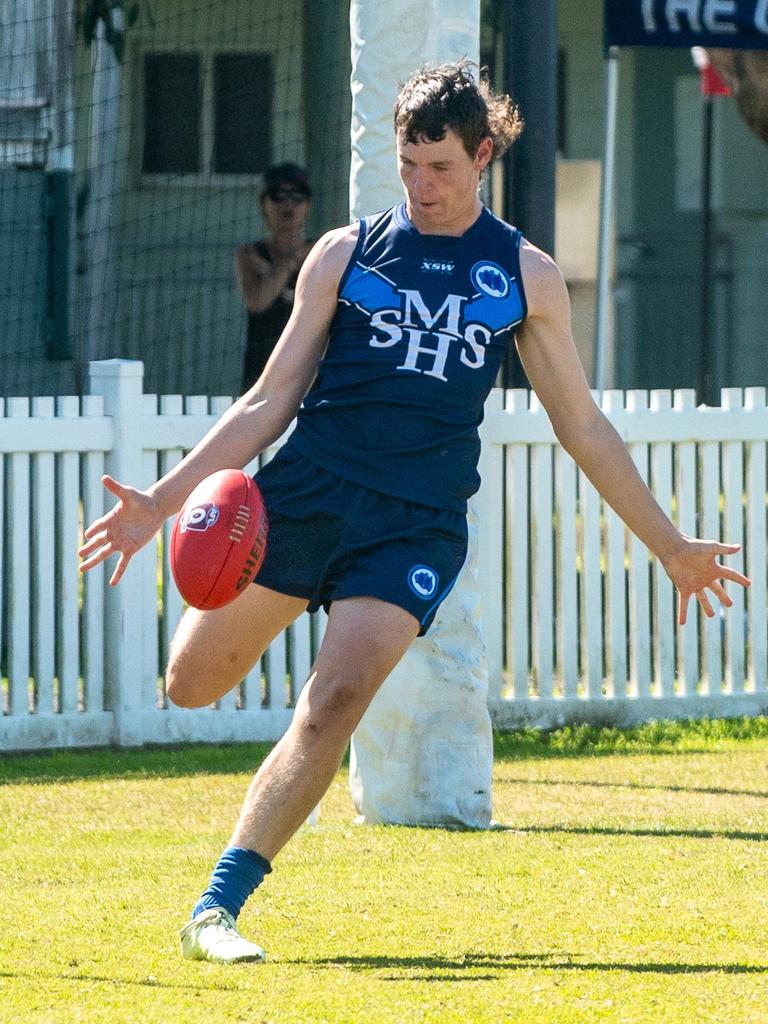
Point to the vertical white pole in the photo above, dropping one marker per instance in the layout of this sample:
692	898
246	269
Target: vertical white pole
60	29
120	382
605	246
423	753
100	217
389	42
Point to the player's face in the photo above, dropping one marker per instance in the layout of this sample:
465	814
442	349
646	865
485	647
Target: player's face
441	181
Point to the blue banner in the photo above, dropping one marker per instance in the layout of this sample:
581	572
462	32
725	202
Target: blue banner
731	24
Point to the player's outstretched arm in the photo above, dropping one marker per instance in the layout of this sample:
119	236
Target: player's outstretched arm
554	369
249	426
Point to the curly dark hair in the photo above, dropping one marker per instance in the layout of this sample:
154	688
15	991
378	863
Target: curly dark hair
443	96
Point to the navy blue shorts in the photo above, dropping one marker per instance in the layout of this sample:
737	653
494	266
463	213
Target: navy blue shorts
330	539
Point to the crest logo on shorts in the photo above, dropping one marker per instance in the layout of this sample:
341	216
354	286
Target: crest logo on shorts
199	518
423	581
490	279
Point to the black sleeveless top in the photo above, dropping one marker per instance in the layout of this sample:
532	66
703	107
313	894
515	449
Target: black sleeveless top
265	328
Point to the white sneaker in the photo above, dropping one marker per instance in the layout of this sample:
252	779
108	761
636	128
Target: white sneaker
213	936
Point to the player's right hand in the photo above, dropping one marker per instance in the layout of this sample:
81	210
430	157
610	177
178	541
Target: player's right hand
125	529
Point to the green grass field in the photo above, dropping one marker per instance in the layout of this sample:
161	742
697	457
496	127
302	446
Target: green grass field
628	885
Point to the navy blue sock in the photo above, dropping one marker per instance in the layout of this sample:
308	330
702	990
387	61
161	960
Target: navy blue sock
234	878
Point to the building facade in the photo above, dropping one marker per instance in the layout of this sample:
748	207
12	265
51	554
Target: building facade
125	185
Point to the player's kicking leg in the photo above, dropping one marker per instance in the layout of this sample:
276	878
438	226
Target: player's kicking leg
213	651
364	641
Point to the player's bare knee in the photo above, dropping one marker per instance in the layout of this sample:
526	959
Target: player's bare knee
184	670
178	688
183	682
333	707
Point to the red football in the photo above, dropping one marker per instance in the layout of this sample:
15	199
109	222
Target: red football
219	539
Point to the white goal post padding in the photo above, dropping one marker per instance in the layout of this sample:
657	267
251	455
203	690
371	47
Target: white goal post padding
389	42
423	753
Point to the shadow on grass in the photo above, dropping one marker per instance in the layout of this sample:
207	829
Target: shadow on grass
651	833
592	830
595	784
103	979
497	963
429	968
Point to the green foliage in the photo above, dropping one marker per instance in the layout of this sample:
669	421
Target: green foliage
116	15
651	737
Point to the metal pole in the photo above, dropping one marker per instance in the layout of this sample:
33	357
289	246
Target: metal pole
530	77
605	246
705	379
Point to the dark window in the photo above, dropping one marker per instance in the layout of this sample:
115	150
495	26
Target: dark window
242	91
172	113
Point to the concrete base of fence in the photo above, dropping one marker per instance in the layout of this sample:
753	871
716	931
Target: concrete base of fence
155	725
56	731
554	712
262	725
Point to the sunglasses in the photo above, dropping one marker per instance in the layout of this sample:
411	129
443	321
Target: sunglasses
287	195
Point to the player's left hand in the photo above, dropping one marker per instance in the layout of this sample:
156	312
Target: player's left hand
694	569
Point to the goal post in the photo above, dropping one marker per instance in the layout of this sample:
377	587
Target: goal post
423	753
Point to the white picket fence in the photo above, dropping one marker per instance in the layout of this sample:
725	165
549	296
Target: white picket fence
579	624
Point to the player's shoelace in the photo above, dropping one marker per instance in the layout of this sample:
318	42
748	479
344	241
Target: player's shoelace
216	915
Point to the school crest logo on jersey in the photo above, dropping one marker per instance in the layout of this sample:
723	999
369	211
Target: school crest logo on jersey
490	279
423	581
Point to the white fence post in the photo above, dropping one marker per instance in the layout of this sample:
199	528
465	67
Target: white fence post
733	532
120	382
517	585
490	551
663	594
19	583
756	548
685	488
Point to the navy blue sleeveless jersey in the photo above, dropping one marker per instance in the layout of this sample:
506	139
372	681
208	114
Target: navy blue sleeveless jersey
422	326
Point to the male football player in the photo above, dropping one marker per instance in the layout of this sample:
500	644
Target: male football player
398	330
